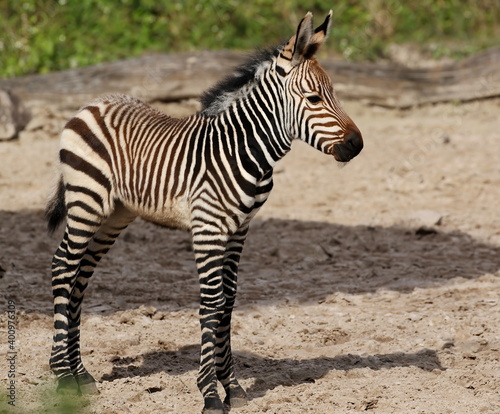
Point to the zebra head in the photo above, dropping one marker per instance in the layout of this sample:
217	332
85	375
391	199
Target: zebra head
314	113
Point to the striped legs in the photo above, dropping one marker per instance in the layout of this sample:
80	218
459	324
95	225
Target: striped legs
209	254
65	266
235	396
217	258
85	243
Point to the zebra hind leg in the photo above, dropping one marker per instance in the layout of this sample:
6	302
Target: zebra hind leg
66	265
97	248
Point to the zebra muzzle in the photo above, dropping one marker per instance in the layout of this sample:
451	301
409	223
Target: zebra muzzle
351	145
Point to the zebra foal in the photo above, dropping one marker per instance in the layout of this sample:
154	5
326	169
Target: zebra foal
208	173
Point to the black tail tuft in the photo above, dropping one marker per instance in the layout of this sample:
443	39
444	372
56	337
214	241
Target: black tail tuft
56	208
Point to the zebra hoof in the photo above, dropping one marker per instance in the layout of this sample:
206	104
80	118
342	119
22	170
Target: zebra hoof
87	384
88	389
212	411
67	386
213	406
237	402
236	398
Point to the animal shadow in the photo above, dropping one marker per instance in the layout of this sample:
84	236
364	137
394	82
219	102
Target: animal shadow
269	373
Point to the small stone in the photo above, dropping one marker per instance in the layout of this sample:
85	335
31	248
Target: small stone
427	218
36	124
135	340
158	316
147	310
447	344
468	347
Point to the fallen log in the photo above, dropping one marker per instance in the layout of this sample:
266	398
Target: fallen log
175	77
472	78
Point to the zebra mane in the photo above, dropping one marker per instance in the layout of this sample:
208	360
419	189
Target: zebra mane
238	84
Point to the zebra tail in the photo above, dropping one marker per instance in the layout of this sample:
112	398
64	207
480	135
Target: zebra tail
56	208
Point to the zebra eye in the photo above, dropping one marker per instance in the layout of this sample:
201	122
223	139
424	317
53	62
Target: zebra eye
314	99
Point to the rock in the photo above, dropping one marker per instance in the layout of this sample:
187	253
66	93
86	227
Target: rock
147	310
446	343
158	316
469	347
427	218
13	115
36	124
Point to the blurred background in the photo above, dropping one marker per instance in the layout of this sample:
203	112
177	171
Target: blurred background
43	36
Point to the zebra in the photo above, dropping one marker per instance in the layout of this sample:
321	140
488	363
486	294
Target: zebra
208	173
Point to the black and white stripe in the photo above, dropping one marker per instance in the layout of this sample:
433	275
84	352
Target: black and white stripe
208	173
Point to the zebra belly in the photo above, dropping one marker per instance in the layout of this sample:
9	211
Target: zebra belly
176	214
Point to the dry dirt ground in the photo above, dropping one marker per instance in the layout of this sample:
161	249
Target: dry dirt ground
372	287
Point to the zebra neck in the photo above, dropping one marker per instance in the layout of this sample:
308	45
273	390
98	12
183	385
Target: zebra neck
257	133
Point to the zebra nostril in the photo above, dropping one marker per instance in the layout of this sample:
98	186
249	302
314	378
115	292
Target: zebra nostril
354	141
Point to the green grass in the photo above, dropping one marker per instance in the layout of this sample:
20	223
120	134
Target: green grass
39	36
45	400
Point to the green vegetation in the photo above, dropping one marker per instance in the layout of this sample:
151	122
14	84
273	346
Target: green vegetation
50	402
38	36
44	399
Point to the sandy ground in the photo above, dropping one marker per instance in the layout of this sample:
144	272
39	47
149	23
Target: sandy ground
372	287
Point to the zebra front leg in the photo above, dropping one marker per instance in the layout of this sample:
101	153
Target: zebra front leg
235	395
209	254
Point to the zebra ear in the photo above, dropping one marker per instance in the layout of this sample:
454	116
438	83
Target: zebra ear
319	36
295	47
302	38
